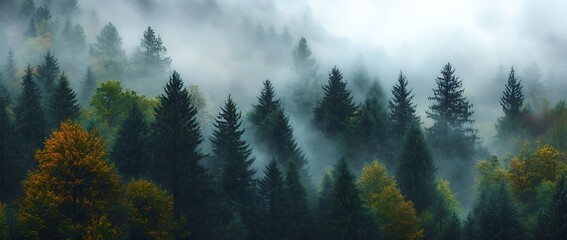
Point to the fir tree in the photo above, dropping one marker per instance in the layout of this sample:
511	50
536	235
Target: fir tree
402	109
108	53
30	118
152	57
129	151
267	104
511	101
552	224
89	87
235	163
305	92
10	171
336	107
299	216
64	104
176	137
47	74
273	199
416	171
74	36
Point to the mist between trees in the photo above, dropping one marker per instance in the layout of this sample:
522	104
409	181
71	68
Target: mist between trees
267	135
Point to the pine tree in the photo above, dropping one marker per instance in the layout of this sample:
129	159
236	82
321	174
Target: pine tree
89	87
416	171
402	109
511	101
10	171
299	216
273	199
30	118
109	56
129	152
64	104
47	74
345	218
305	92
234	156
267	104
176	137
152	55
336	107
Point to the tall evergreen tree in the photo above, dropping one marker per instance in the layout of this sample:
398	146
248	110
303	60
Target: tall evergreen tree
267	104
74	37
402	109
176	137
9	74
108	53
552	220
336	107
152	57
129	151
416	171
345	218
47	74
234	155
10	171
511	101
30	119
299	216
89	87
273	199
305	92
63	105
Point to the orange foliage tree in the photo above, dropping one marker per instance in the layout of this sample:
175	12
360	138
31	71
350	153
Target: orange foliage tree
74	191
396	216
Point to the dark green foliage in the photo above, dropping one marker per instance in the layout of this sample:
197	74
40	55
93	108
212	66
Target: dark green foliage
511	101
236	229
63	103
494	216
416	171
10	171
9	75
232	155
402	109
442	221
130	148
336	107
176	137
273	202
30	118
266	104
552	222
89	87
345	217
305	93
47	74
299	217
152	57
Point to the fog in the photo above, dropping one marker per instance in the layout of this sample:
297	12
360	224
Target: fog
212	44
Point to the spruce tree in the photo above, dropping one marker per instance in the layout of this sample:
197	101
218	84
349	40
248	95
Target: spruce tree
402	109
416	171
30	119
176	137
299	219
267	104
511	101
10	171
47	74
63	105
109	56
305	92
152	57
234	159
129	152
273	198
336	107
89	87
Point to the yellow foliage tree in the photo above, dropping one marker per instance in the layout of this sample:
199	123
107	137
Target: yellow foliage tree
150	211
74	190
490	173
379	191
448	196
531	168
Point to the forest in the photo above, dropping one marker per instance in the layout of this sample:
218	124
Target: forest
248	129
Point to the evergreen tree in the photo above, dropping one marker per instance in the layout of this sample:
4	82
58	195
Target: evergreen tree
10	172
416	171
233	154
64	104
305	92
30	118
69	7
74	36
552	224
9	74
152	57
402	109
336	107
108	53
511	101
89	87
273	199
31	31
47	74
299	216
345	218
176	137
129	151
267	104
27	9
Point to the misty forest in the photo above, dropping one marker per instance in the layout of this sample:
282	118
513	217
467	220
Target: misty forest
253	119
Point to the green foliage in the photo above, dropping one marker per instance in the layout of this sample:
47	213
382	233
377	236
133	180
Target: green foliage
47	74
151	59
402	109
336	107
89	87
236	229
305	91
63	105
109	57
150	211
511	101
130	148
10	170
273	202
266	105
552	220
176	137
299	219
416	171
